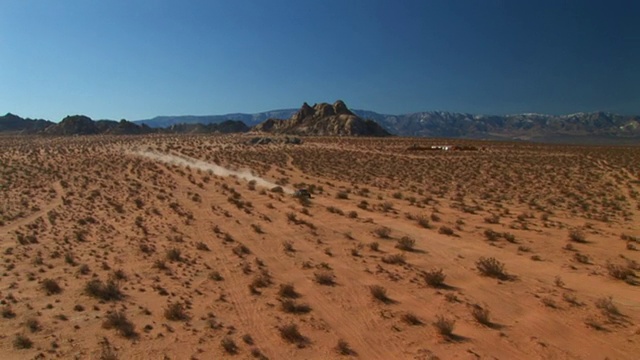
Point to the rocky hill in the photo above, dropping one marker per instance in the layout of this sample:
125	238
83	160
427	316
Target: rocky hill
83	125
323	119
248	119
14	123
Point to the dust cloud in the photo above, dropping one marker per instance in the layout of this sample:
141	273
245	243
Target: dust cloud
213	168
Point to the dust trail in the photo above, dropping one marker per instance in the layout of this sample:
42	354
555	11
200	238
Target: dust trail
215	169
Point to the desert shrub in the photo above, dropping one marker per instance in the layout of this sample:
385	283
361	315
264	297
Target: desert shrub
492	267
84	269
288	291
241	250
581	258
481	315
325	278
215	276
386	206
411	319
105	291
343	195
175	312
291	334
334	210
620	272
343	348
262	280
51	287
202	246
291	307
492	219
374	246
435	277
352	215
22	342
571	299
8	313
406	243
444	326
33	325
491	235
608	308
577	236
424	222
509	237
445	230
288	246
118	320
394	259
174	254
229	345
379	293
382	232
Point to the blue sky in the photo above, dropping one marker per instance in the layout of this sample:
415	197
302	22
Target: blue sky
136	59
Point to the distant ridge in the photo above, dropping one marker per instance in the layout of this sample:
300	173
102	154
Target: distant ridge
582	128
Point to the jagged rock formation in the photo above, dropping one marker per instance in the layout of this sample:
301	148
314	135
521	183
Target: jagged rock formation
323	120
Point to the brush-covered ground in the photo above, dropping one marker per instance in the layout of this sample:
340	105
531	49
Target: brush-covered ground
517	251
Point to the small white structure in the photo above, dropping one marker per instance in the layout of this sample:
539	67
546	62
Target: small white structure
441	147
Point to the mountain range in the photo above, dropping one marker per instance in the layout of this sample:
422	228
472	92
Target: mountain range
325	119
595	127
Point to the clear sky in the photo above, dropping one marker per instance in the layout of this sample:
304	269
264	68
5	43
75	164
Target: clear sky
135	59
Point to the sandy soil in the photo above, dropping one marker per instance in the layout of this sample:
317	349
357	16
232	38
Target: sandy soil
184	247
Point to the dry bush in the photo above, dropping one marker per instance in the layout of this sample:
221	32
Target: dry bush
33	325
291	307
577	236
445	230
435	278
22	342
288	246
394	259
343	348
108	291
174	254
444	326
379	293
406	243
229	345
374	246
411	319
382	232
176	312
288	291
118	320
291	334
424	222
608	308
325	278
51	287
620	272
481	315
491	267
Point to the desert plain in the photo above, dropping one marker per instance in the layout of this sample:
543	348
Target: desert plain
193	247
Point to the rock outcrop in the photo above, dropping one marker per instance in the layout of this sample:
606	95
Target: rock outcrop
323	120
